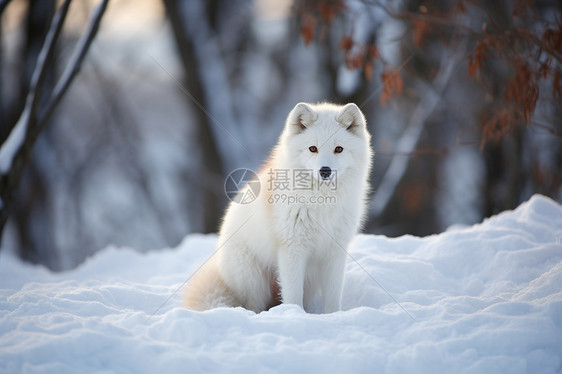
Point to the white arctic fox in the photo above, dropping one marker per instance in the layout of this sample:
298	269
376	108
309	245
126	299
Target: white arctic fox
289	244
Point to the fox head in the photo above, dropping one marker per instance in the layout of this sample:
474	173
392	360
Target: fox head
329	140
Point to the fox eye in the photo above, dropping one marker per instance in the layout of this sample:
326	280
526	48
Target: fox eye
338	149
313	149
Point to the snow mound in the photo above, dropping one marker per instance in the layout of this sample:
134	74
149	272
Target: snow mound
480	299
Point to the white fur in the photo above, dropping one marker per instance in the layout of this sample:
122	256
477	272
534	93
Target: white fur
271	251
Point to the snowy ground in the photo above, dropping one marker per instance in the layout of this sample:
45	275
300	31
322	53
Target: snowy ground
482	299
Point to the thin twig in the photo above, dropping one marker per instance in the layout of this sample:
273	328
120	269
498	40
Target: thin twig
547	128
46	56
541	45
75	63
405	15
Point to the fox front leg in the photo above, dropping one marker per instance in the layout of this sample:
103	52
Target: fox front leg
292	268
331	281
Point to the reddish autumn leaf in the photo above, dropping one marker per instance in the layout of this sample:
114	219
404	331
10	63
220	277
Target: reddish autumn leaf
346	43
392	84
420	29
478	56
413	195
461	7
328	10
368	70
355	60
523	90
373	52
557	85
308	28
497	125
552	38
521	7
545	69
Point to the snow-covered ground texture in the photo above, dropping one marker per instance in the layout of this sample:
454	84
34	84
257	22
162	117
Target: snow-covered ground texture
480	299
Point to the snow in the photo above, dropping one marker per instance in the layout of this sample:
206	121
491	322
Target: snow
482	299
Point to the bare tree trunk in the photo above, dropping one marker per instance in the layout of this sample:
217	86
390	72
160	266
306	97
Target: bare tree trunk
504	158
38	21
15	151
34	198
212	204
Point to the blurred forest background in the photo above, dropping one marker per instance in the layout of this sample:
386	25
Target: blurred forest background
463	99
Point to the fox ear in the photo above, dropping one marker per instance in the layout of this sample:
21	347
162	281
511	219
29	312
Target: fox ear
351	118
301	117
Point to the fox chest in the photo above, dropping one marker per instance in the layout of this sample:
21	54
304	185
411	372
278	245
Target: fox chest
315	226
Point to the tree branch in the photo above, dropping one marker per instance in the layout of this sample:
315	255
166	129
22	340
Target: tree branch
406	15
74	65
44	60
15	152
13	149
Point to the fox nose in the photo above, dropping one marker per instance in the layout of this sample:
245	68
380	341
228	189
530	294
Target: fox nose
325	172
